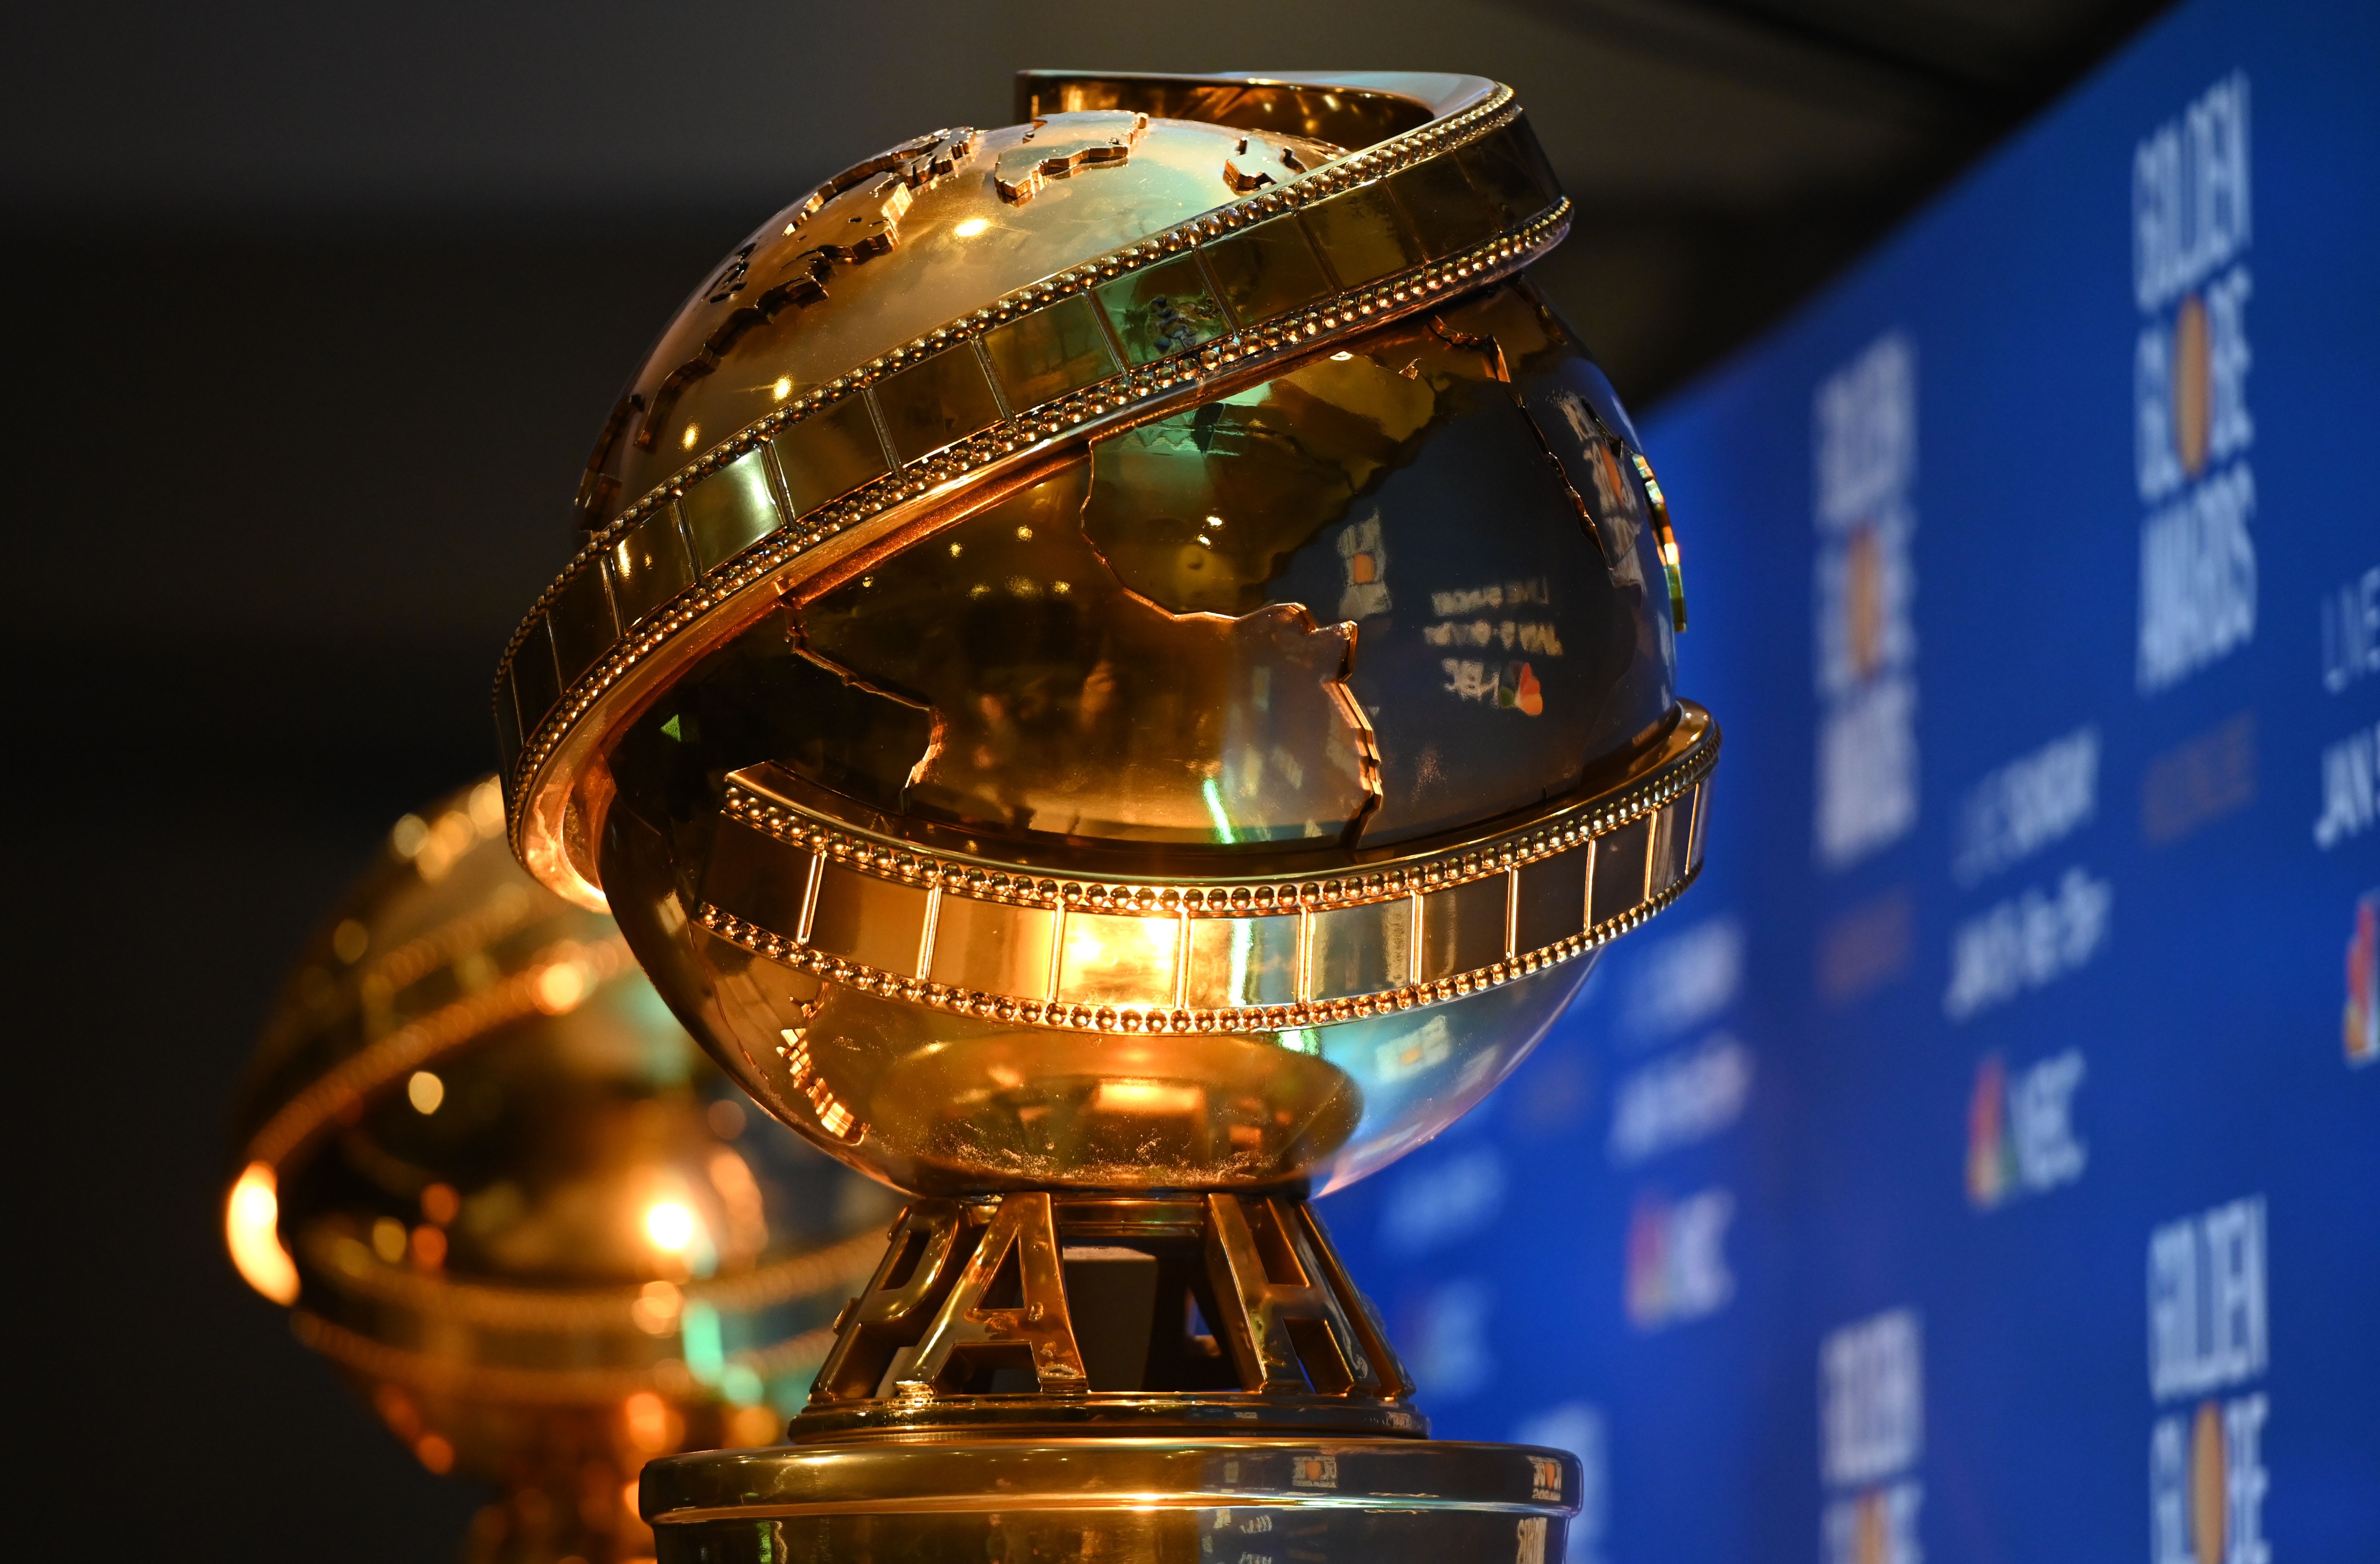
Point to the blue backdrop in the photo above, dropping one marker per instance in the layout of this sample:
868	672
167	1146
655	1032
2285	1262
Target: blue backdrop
1982	1162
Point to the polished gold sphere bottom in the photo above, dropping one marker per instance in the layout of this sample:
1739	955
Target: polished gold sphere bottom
1180	1501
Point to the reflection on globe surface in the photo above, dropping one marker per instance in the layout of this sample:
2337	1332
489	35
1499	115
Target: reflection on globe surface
1363	604
1120	677
1054	757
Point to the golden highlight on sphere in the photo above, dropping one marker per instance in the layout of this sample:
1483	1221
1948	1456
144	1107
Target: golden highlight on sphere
515	1206
893	249
1160	676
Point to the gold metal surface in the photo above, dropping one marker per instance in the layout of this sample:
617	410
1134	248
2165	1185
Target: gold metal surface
1125	945
1057	149
1156	301
1118	681
1398	1501
1345	108
958	1031
1215	1312
1112	821
515	1206
969	1335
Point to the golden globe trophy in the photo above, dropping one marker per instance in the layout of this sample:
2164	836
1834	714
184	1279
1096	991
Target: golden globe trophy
1120	674
514	1205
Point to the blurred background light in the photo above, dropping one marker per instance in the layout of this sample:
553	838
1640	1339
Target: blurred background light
251	1221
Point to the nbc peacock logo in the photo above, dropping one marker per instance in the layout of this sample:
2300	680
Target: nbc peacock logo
1991	1161
2020	1137
2359	1032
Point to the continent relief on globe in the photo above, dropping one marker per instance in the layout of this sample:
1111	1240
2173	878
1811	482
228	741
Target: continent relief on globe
806	296
1392	592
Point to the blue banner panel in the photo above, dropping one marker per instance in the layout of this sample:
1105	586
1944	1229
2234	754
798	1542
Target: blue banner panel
1983	1161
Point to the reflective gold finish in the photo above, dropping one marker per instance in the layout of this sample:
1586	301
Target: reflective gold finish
516	1208
1106	1313
952	1501
1363	979
1055	150
1122	673
1181	322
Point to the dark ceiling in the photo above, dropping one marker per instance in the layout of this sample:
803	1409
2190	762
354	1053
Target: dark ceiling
312	313
1727	153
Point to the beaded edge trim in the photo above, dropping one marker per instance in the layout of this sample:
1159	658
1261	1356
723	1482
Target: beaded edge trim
371	1069
482	1381
786	1281
1136	1019
1353	310
1685	778
884	858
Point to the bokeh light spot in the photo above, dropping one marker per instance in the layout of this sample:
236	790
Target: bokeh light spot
648	1421
725	1118
251	1216
656	1308
559	988
388	1238
670	1226
408	835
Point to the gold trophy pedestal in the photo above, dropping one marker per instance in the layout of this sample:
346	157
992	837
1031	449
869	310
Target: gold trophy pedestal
1111	1377
1121	672
1219	1498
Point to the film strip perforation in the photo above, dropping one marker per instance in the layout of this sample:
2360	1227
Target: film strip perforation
926	867
1539	919
530	741
1133	1020
1364	167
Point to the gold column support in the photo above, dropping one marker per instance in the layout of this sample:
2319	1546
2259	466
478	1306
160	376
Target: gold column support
969	1334
1289	1330
1239	1315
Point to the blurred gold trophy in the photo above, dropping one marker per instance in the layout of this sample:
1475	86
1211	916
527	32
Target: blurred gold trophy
1120	675
520	1212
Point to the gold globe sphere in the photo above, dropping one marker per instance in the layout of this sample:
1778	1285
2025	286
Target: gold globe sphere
1138	686
1119	676
516	1208
1124	651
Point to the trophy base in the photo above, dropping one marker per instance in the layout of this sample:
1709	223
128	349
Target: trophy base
1034	1315
1185	1501
1109	1377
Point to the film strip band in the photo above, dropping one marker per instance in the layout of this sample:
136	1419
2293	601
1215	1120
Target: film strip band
557	977
472	1378
1222	954
1360	241
351	1267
